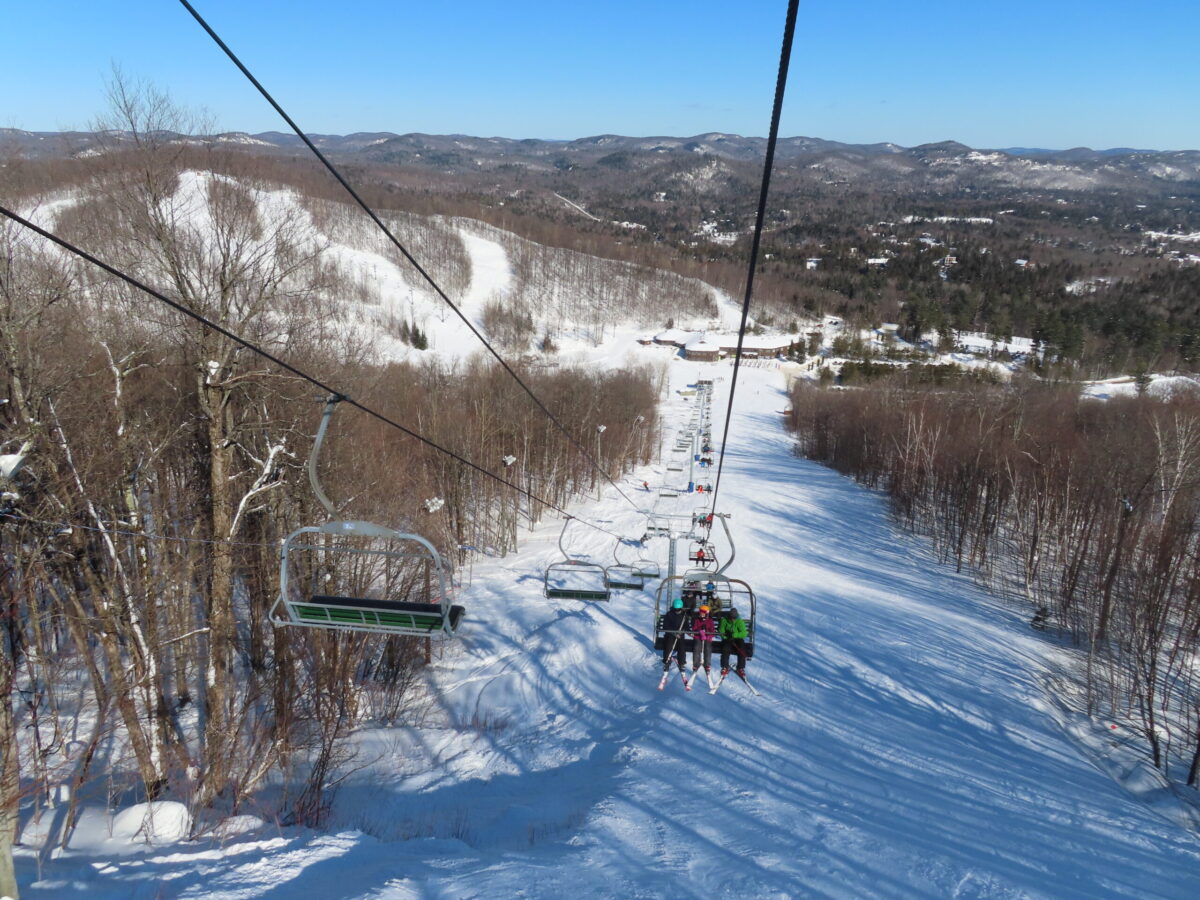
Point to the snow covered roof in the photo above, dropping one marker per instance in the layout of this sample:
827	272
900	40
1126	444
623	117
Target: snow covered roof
676	336
701	343
767	341
982	342
706	341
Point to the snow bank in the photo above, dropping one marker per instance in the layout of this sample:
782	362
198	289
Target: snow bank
1159	386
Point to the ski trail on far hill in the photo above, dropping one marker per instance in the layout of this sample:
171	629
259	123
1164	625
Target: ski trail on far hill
491	275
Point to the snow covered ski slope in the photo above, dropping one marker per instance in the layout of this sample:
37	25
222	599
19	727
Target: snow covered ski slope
901	746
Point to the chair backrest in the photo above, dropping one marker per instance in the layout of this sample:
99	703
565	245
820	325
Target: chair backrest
359	576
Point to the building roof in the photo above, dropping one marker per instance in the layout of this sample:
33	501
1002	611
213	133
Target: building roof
707	342
700	344
676	336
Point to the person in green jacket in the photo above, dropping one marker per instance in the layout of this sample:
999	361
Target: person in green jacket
733	631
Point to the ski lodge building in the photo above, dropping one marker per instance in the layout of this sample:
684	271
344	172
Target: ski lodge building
701	346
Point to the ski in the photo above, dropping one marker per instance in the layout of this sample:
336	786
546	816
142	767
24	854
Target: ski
749	685
720	681
696	674
663	683
683	675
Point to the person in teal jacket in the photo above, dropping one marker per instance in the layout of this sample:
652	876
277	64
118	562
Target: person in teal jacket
733	631
676	627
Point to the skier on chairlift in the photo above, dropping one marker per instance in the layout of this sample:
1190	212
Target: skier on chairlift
674	625
733	631
704	630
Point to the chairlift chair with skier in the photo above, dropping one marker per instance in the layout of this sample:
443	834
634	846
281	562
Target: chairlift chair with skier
716	590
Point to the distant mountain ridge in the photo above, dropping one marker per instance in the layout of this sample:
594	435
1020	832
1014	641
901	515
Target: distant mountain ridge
939	165
734	146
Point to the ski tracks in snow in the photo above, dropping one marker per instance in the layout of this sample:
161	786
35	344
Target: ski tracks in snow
896	751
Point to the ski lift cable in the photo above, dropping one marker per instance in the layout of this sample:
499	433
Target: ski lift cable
267	355
789	30
403	250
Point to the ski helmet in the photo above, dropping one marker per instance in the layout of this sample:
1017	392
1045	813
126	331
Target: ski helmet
678	604
733	613
704	609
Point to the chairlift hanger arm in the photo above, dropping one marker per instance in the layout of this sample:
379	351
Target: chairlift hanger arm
732	548
314	477
561	535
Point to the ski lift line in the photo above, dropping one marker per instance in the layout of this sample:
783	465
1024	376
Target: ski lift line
789	31
396	243
288	367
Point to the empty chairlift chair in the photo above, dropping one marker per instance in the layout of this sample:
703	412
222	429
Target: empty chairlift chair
647	569
620	576
350	575
358	576
657	527
574	579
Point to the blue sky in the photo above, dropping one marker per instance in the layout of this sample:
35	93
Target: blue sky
1057	73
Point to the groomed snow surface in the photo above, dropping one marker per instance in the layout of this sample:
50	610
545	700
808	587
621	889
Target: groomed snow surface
902	746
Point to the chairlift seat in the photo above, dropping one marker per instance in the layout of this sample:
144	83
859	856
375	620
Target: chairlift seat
574	579
647	569
623	577
366	614
376	615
